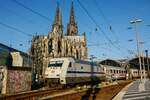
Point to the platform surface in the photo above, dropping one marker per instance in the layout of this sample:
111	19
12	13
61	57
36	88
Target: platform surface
137	90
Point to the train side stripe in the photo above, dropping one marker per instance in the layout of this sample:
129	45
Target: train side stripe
85	72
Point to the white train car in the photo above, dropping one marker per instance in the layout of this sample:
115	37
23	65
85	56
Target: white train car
71	71
135	73
20	59
114	72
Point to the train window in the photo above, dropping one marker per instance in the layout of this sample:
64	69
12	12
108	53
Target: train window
110	71
70	64
114	71
117	71
103	68
81	67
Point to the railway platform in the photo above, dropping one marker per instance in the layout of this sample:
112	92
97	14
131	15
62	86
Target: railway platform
137	90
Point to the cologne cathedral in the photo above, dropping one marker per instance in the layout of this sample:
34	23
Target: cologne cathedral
58	43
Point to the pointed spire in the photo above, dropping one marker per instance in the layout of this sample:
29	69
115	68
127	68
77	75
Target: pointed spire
72	19
57	26
58	17
72	28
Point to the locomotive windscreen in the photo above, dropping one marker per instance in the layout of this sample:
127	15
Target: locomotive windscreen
55	64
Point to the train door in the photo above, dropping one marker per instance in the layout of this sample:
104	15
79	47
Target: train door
72	72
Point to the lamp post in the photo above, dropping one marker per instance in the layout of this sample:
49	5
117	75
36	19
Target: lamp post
135	21
143	61
143	66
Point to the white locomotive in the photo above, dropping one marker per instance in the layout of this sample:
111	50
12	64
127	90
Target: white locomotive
71	71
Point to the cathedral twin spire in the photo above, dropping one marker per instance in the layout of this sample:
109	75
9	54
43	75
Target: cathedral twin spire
71	27
58	17
57	26
72	19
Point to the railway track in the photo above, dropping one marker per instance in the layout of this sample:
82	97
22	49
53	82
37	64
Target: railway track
30	95
106	92
41	94
55	93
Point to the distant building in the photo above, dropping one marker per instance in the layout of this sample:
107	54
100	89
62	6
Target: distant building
58	44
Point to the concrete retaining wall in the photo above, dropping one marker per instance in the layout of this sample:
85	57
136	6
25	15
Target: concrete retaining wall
15	80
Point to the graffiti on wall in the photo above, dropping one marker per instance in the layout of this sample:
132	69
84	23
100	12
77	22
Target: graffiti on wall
1	77
18	81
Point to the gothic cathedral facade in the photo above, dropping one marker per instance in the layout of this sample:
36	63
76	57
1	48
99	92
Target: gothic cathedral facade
58	44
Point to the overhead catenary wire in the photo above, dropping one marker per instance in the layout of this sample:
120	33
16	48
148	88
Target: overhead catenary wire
105	18
98	26
16	29
48	20
108	39
37	13
31	10
10	11
108	22
16	14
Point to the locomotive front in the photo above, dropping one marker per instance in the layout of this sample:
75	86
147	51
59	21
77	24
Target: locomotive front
53	71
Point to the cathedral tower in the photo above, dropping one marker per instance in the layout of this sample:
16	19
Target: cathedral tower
72	28
57	27
55	36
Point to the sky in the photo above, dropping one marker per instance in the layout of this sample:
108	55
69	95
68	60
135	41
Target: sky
106	23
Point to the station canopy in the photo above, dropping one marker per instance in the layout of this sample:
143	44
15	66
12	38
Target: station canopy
111	62
134	62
